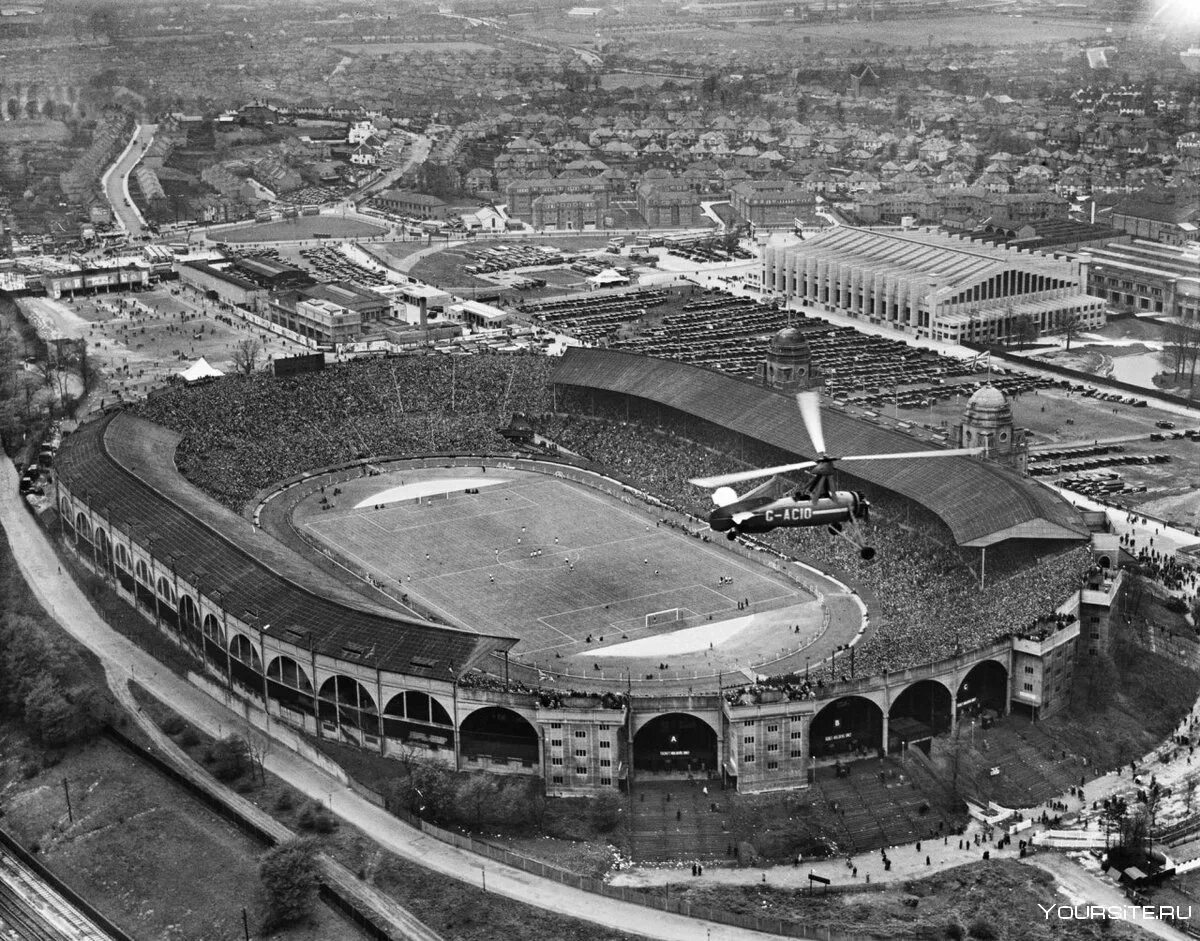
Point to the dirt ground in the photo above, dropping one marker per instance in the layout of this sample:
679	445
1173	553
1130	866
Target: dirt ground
997	900
149	857
139	339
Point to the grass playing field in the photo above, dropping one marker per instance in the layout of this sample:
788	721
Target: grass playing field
563	567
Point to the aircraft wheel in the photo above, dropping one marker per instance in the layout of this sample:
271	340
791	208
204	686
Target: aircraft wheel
731	535
866	553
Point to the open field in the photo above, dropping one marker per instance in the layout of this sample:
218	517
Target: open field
566	569
157	333
13	132
302	227
393	48
148	856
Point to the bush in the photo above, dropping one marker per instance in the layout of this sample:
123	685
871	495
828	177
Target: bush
284	801
955	932
983	930
229	758
290	878
316	819
190	738
172	725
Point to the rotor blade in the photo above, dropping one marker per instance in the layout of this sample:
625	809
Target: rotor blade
810	411
950	452
726	480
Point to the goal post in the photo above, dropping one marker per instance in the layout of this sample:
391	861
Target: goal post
664	617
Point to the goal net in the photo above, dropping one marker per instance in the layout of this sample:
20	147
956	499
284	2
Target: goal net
664	617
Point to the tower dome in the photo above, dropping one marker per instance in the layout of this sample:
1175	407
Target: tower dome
788	363
987	423
988	407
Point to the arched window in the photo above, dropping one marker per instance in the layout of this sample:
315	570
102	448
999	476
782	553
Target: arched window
64	507
213	631
165	590
288	672
143	573
122	556
83	526
241	649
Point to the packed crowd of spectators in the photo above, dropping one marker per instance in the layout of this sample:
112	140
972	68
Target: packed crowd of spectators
243	433
930	603
547	698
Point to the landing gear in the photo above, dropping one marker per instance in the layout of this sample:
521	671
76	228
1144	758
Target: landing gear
856	537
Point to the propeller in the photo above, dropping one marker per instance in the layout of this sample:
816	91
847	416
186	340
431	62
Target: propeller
809	404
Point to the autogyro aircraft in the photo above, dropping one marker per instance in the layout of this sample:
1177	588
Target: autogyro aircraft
816	503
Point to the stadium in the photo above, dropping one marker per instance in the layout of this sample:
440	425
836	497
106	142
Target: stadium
361	552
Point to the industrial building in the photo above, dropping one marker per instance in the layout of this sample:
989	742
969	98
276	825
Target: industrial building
1148	277
928	284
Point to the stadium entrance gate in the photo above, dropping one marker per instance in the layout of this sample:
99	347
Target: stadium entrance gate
917	715
500	735
675	744
846	725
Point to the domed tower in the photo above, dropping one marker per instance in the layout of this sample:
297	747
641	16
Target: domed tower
788	364
988	423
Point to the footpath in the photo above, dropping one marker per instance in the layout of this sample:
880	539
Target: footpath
123	660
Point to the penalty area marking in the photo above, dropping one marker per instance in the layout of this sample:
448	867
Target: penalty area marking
688	640
428	488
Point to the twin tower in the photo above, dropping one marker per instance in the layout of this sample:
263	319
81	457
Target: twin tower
987	421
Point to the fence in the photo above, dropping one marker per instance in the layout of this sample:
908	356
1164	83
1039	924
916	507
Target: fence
331	894
1085	377
662	902
30	861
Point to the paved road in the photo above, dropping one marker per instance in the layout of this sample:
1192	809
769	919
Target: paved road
1080	888
116	181
122	659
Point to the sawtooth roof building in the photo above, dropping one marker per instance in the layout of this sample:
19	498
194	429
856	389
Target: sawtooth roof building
928	284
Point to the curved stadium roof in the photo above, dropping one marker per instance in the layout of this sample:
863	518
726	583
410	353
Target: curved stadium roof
123	467
982	503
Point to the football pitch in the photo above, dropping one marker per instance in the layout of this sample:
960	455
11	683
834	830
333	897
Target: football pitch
566	569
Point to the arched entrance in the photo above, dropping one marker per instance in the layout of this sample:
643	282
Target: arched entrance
288	685
499	734
847	725
416	718
919	713
347	709
675	743
189	620
984	687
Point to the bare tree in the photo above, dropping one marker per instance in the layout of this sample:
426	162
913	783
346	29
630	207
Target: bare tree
1181	350
260	747
246	355
1070	328
1025	330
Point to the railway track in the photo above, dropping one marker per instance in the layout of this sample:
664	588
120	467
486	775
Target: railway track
31	910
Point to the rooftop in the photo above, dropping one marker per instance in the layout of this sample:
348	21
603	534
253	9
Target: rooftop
125	467
981	502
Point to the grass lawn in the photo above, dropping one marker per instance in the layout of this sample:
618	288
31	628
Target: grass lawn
471	558
141	850
303	227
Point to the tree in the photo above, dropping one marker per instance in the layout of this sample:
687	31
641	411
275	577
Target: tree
1025	330
58	717
230	758
246	355
1181	350
475	795
259	746
1070	328
290	877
